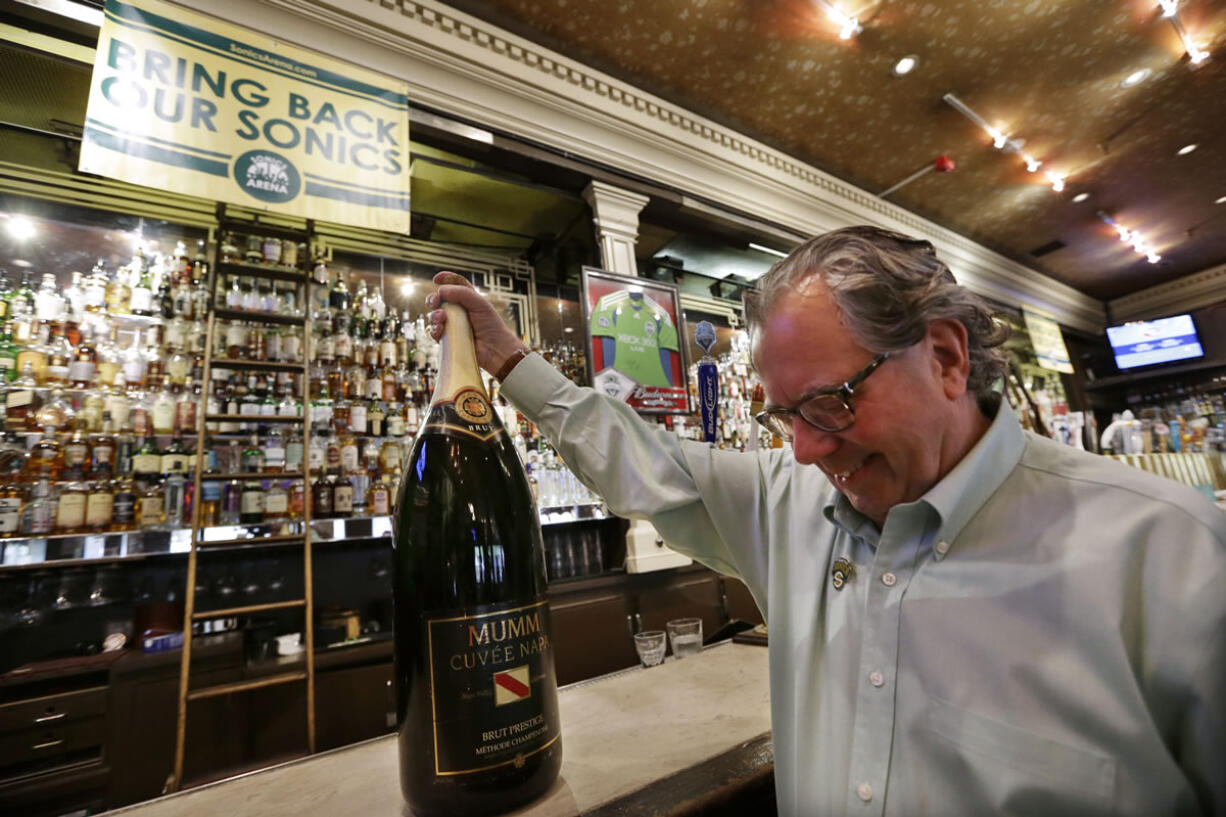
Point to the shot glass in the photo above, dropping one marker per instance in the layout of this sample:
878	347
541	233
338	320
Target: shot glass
685	634
650	645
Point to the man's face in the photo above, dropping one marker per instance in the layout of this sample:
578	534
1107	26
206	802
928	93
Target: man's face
893	451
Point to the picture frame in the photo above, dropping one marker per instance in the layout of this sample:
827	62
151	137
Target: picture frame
636	350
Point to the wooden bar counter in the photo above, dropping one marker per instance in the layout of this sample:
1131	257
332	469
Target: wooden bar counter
686	737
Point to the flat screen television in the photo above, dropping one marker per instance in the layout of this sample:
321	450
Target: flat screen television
1148	343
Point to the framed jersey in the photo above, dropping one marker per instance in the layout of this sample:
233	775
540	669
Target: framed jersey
635	351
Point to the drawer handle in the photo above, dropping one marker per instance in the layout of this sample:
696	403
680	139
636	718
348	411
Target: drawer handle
47	744
54	717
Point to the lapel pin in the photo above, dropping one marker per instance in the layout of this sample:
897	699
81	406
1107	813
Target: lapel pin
843	572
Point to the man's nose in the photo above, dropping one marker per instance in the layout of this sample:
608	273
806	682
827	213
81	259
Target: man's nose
811	445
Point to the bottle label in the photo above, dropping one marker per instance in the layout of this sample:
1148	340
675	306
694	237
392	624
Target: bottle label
349	458
277	502
124	507
381	501
150	510
492	687
342	498
99	509
467	413
71	512
147	463
274	457
252	501
10	514
17	399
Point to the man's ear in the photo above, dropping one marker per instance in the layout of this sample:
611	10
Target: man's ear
951	357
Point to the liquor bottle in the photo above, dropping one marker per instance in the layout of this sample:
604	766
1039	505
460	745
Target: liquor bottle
380	498
276	454
57	412
38	513
100	503
70	506
276	502
173	506
342	496
76	455
12	476
163	414
469	584
252	503
8	353
150	505
321	498
147	463
253	456
119	291
123	509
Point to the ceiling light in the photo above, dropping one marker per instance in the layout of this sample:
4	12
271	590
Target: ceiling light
20	228
1032	164
1222	200
1135	78
1057	181
767	250
906	65
406	287
1080	197
1131	238
1169	7
1185	150
848	26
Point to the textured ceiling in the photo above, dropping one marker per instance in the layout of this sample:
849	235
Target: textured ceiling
1046	71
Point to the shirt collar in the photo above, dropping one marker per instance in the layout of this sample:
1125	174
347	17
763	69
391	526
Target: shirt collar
961	493
966	488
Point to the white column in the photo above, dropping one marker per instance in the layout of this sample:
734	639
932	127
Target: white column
616	214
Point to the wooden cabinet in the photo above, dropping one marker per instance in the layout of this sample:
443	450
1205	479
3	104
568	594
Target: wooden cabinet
591	633
594	620
354	703
53	754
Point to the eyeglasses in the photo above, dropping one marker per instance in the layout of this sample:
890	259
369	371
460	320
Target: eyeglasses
828	410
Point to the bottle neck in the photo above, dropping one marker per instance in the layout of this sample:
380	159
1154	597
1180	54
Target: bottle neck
457	368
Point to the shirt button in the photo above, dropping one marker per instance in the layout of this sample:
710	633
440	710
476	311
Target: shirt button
888	579
942	547
876	678
865	791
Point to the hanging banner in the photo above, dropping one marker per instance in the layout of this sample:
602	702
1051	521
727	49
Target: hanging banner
1048	341
184	102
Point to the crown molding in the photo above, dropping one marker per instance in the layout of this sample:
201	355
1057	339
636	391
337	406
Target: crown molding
464	67
1183	295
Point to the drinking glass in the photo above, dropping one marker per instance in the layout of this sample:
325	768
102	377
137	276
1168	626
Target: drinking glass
650	646
685	634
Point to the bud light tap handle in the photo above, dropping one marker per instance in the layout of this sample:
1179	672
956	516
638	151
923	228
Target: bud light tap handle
708	381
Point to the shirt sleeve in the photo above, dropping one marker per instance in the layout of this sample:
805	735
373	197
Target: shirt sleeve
706	503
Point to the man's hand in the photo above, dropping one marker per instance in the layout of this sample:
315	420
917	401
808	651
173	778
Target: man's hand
495	342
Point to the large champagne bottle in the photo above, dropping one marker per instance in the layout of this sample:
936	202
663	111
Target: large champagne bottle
476	694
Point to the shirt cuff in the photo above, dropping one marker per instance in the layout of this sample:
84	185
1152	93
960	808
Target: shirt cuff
530	384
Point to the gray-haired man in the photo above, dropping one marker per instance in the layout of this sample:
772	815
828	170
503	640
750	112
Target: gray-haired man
1020	628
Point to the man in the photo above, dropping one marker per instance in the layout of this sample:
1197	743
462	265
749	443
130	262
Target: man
965	618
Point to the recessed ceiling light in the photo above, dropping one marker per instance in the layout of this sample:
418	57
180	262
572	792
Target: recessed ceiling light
1185	150
1135	78
1080	197
1222	200
906	65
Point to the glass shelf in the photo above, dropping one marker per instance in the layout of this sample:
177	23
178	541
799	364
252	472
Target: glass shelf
76	548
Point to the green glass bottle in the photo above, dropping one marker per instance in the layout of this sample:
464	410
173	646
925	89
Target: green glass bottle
476	693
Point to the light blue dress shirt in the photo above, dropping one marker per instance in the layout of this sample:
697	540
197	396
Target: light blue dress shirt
1042	633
